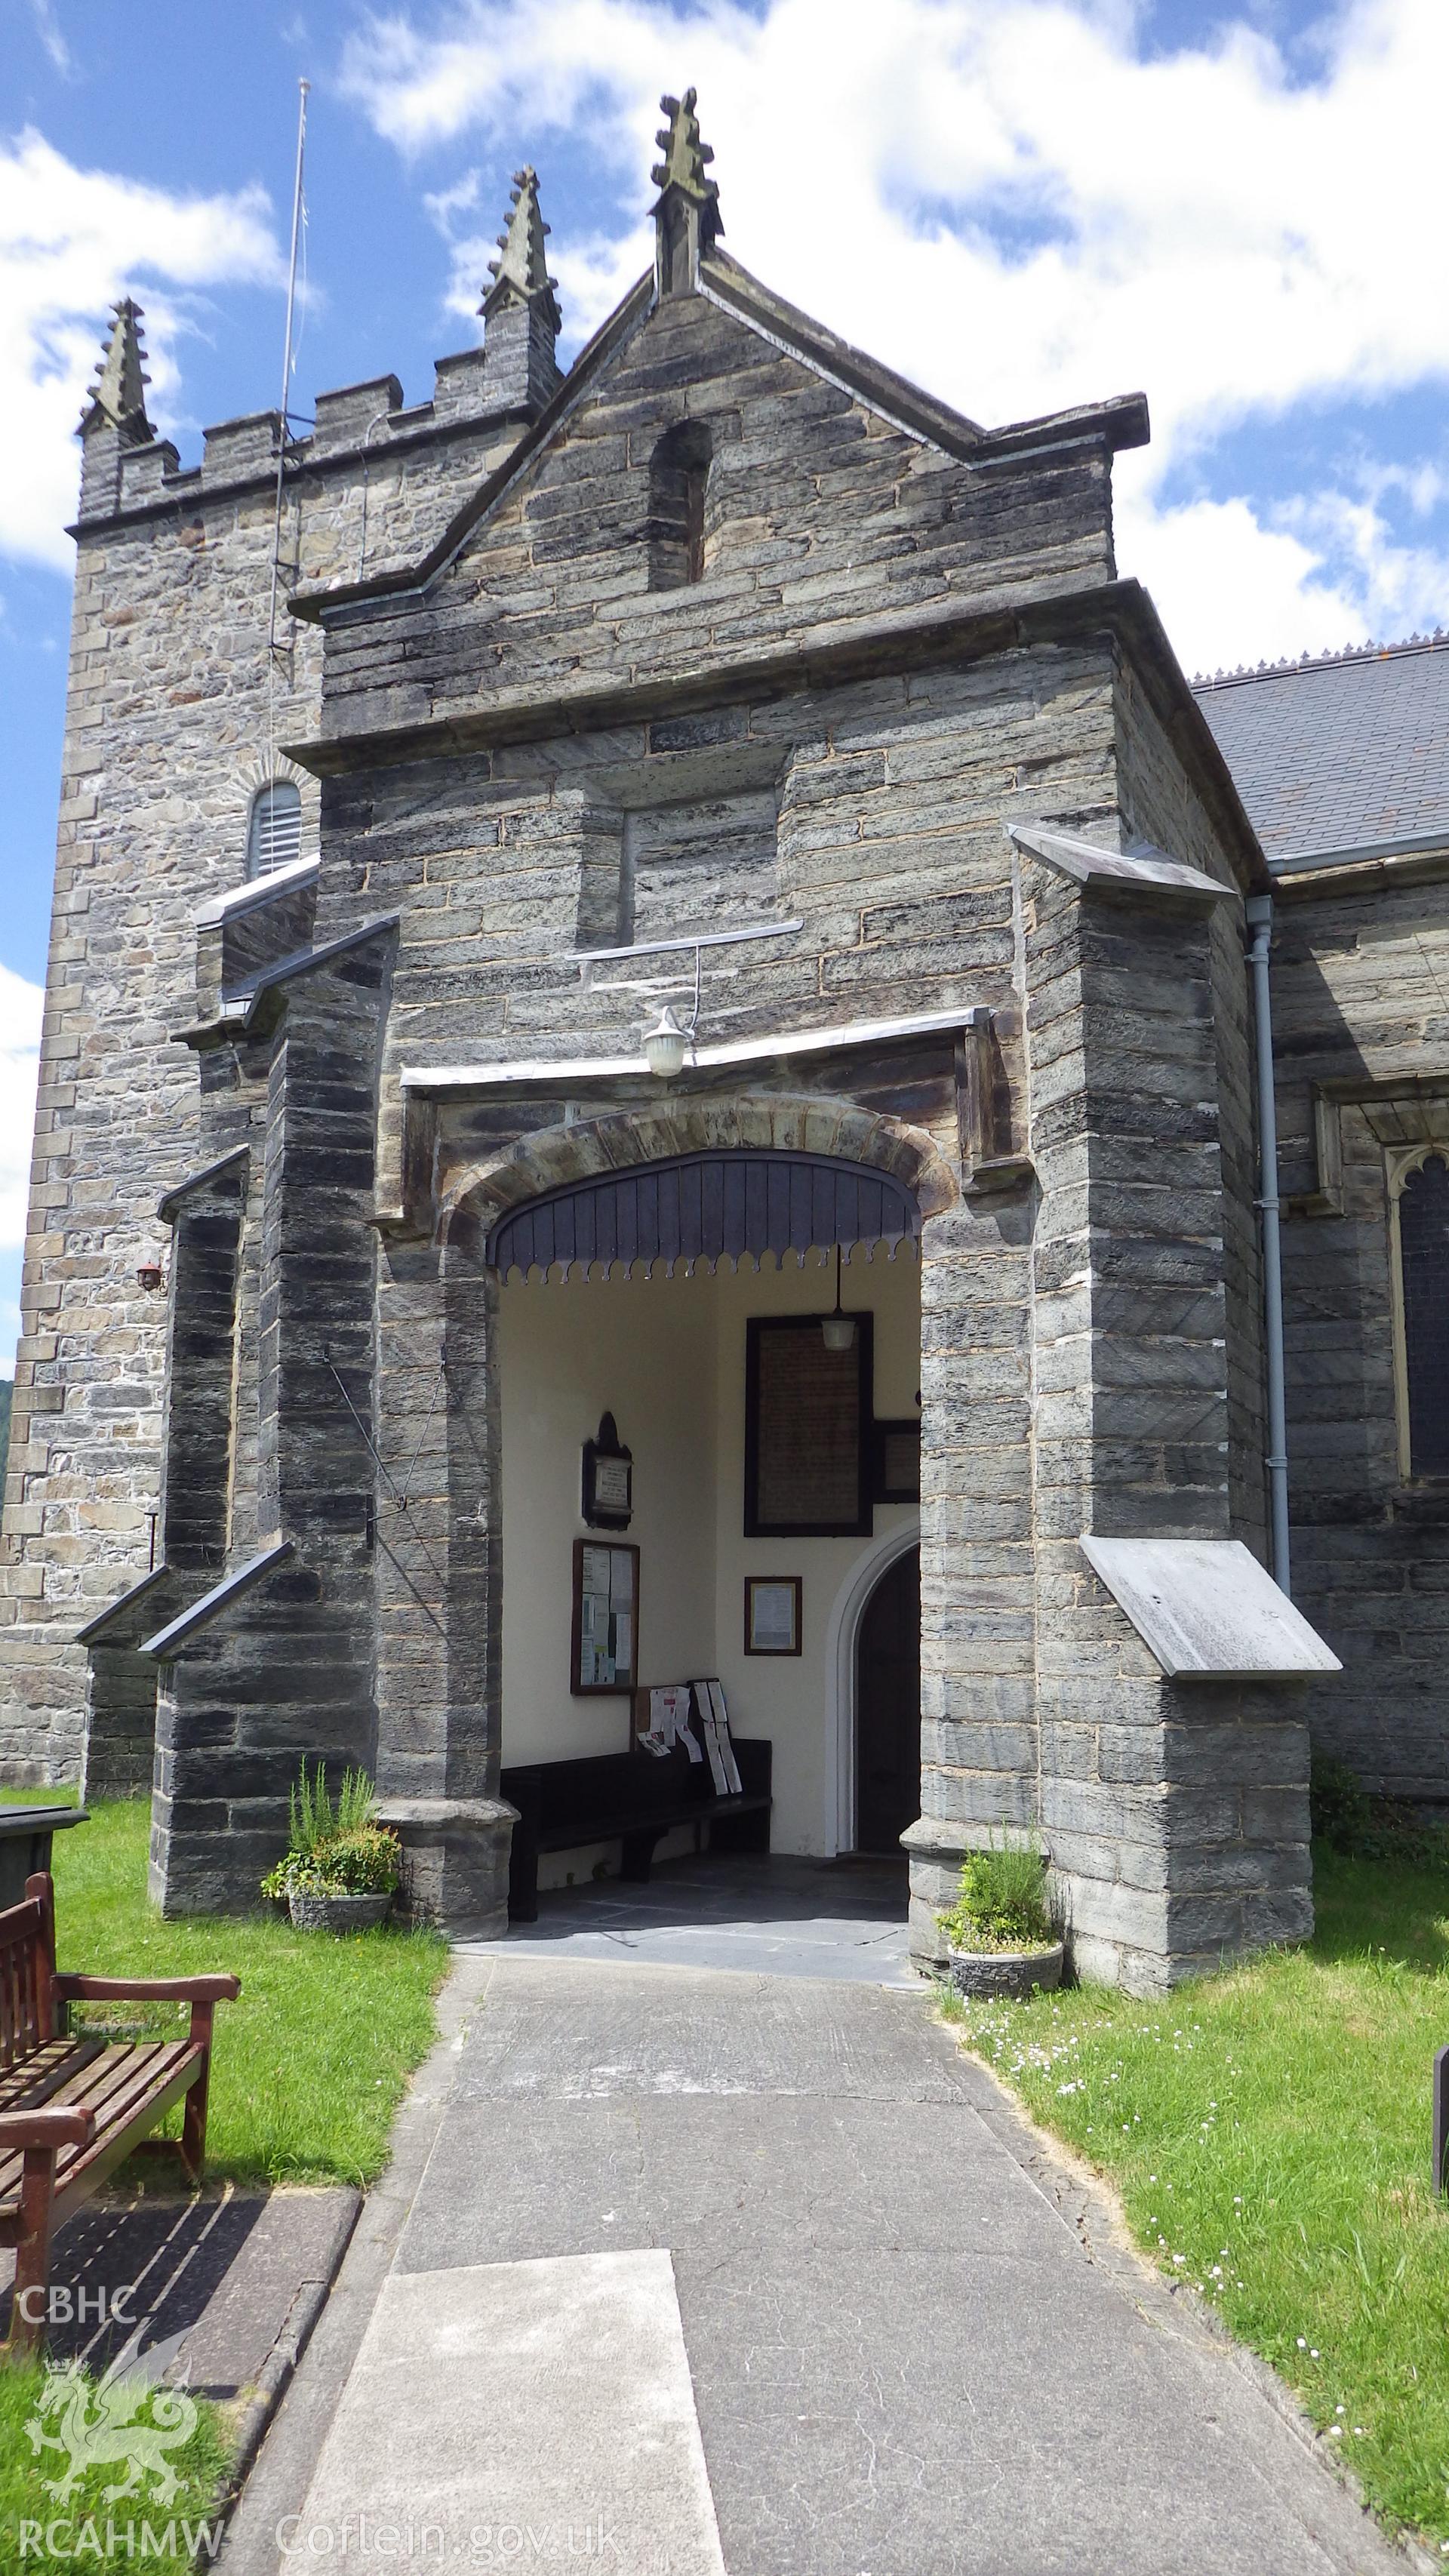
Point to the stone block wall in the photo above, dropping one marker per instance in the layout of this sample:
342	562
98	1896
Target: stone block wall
283	1670
825	516
1360	970
174	712
1195	814
1164	1864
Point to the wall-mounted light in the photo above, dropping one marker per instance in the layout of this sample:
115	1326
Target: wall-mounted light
837	1331
664	1046
149	1275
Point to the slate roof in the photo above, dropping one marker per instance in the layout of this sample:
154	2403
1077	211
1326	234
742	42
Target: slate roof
1346	752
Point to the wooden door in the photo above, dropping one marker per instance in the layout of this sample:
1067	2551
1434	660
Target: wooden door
888	1708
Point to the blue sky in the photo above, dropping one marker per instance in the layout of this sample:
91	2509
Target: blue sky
1022	203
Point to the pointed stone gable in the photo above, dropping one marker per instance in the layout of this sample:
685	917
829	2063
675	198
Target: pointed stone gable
817	513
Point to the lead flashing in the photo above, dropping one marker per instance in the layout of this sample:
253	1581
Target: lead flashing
257	890
168	1207
1404	845
1143	869
94	1631
240	1002
1207	1610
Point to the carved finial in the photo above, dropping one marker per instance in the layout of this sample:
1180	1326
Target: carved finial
521	275
117	399
686	211
686	158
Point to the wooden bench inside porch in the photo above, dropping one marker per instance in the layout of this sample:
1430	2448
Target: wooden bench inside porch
634	1799
72	2109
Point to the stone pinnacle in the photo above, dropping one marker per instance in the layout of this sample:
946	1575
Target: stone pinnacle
117	399
521	275
685	161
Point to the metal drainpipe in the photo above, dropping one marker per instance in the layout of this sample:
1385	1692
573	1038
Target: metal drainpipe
1259	914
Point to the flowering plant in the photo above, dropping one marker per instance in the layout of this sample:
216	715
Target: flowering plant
336	1848
1002	1903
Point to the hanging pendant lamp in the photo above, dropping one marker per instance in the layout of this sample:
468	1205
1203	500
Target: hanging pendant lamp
837	1330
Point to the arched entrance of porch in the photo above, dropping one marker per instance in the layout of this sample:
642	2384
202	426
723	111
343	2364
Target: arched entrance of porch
684	1293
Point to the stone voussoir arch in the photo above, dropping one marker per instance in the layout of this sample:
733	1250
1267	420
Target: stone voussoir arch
476	1194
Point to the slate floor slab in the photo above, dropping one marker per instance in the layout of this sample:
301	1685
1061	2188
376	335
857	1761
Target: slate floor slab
774	1915
224	2270
537	2412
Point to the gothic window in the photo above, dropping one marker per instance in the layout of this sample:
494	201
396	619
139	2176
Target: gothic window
274	830
678	480
1423	1244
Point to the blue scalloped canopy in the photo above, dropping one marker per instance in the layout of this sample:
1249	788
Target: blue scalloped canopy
697	1207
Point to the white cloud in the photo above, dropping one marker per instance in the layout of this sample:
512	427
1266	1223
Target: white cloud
71	241
1228	588
1011	203
20	1009
47	28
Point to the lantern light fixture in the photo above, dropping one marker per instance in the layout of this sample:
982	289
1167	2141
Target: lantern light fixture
664	1046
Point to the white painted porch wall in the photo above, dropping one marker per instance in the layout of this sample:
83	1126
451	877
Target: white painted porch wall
777	1696
643	1350
667	1358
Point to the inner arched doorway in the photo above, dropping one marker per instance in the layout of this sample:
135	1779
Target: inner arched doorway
888	1708
648	1292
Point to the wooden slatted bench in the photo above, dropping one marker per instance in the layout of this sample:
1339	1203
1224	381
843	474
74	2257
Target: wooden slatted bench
631	1798
72	2109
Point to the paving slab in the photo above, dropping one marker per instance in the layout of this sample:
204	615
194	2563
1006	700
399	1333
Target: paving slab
907	2412
723	2175
533	2411
578	2029
227	2271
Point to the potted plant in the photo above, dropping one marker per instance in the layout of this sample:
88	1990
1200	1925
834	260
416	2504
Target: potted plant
341	1869
999	1935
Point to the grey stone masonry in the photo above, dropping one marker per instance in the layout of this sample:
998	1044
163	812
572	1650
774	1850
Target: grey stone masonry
1361	1034
728	629
175	709
289	1663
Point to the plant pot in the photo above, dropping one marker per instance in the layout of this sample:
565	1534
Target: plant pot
1005	1974
337	1913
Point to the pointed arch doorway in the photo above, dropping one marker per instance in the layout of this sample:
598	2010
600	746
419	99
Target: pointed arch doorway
888	1707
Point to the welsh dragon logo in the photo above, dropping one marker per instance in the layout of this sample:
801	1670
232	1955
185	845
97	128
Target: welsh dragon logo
102	2423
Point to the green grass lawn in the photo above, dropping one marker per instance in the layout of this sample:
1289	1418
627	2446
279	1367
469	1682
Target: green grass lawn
308	2068
310	2063
83	2516
1268	2132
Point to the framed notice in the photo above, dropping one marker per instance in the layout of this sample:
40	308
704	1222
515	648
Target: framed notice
898	1462
772	1614
808	1462
608	1482
605	1650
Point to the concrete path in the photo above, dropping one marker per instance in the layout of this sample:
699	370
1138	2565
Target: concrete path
712	2271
